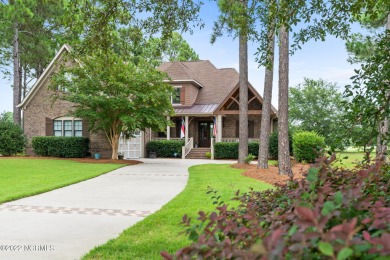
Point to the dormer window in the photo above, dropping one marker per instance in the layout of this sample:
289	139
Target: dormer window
176	96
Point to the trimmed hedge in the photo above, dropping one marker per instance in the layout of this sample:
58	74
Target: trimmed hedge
165	148
273	144
307	146
64	147
225	150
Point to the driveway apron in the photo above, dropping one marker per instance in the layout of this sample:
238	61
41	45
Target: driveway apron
68	222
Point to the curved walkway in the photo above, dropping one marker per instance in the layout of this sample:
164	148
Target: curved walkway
68	222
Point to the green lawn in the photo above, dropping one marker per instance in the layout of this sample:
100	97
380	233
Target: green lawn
21	178
353	159
160	231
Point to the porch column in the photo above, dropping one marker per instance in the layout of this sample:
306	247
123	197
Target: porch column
186	130
219	128
168	129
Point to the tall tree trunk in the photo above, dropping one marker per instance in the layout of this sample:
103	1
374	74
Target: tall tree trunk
24	82
381	146
16	90
283	145
243	117
385	132
267	97
385	129
383	126
20	84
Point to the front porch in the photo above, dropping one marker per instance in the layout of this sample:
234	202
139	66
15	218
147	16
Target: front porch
206	124
200	134
201	129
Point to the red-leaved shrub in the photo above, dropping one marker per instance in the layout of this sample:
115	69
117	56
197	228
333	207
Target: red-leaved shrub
332	214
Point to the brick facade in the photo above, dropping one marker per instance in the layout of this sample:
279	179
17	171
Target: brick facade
188	93
229	124
40	112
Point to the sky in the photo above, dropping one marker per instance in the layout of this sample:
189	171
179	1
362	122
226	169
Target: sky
326	60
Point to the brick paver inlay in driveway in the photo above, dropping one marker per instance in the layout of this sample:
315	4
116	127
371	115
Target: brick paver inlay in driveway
145	175
82	211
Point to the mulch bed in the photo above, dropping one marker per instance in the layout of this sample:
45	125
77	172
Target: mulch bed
271	174
81	160
91	160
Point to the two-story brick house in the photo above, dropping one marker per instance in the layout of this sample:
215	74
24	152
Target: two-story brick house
204	97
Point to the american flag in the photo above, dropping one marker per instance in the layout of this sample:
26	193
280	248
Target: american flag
183	129
215	127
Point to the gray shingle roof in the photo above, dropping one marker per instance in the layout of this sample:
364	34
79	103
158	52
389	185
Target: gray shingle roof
218	83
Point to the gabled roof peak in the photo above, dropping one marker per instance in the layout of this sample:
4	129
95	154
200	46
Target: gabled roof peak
45	74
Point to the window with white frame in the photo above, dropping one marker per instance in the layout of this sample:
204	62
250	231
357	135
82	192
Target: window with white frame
78	127
68	127
176	95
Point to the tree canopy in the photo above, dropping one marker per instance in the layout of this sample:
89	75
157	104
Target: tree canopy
6	116
40	34
99	22
360	46
175	48
317	105
114	83
370	85
116	96
30	33
369	92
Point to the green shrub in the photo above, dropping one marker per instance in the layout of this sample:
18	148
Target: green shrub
165	148
65	147
12	138
273	144
253	148
249	158
208	155
307	146
224	150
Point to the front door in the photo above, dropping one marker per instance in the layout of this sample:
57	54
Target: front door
205	132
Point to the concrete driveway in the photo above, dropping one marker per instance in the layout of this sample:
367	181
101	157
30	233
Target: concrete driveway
68	222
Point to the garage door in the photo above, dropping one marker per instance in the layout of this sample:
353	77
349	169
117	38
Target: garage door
131	148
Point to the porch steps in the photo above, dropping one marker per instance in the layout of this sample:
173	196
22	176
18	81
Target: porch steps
198	153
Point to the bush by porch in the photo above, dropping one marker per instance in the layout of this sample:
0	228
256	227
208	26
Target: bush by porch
165	148
225	150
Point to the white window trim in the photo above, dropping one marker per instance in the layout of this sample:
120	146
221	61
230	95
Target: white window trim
63	119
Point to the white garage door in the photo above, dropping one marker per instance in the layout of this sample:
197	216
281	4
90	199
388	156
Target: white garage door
131	148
